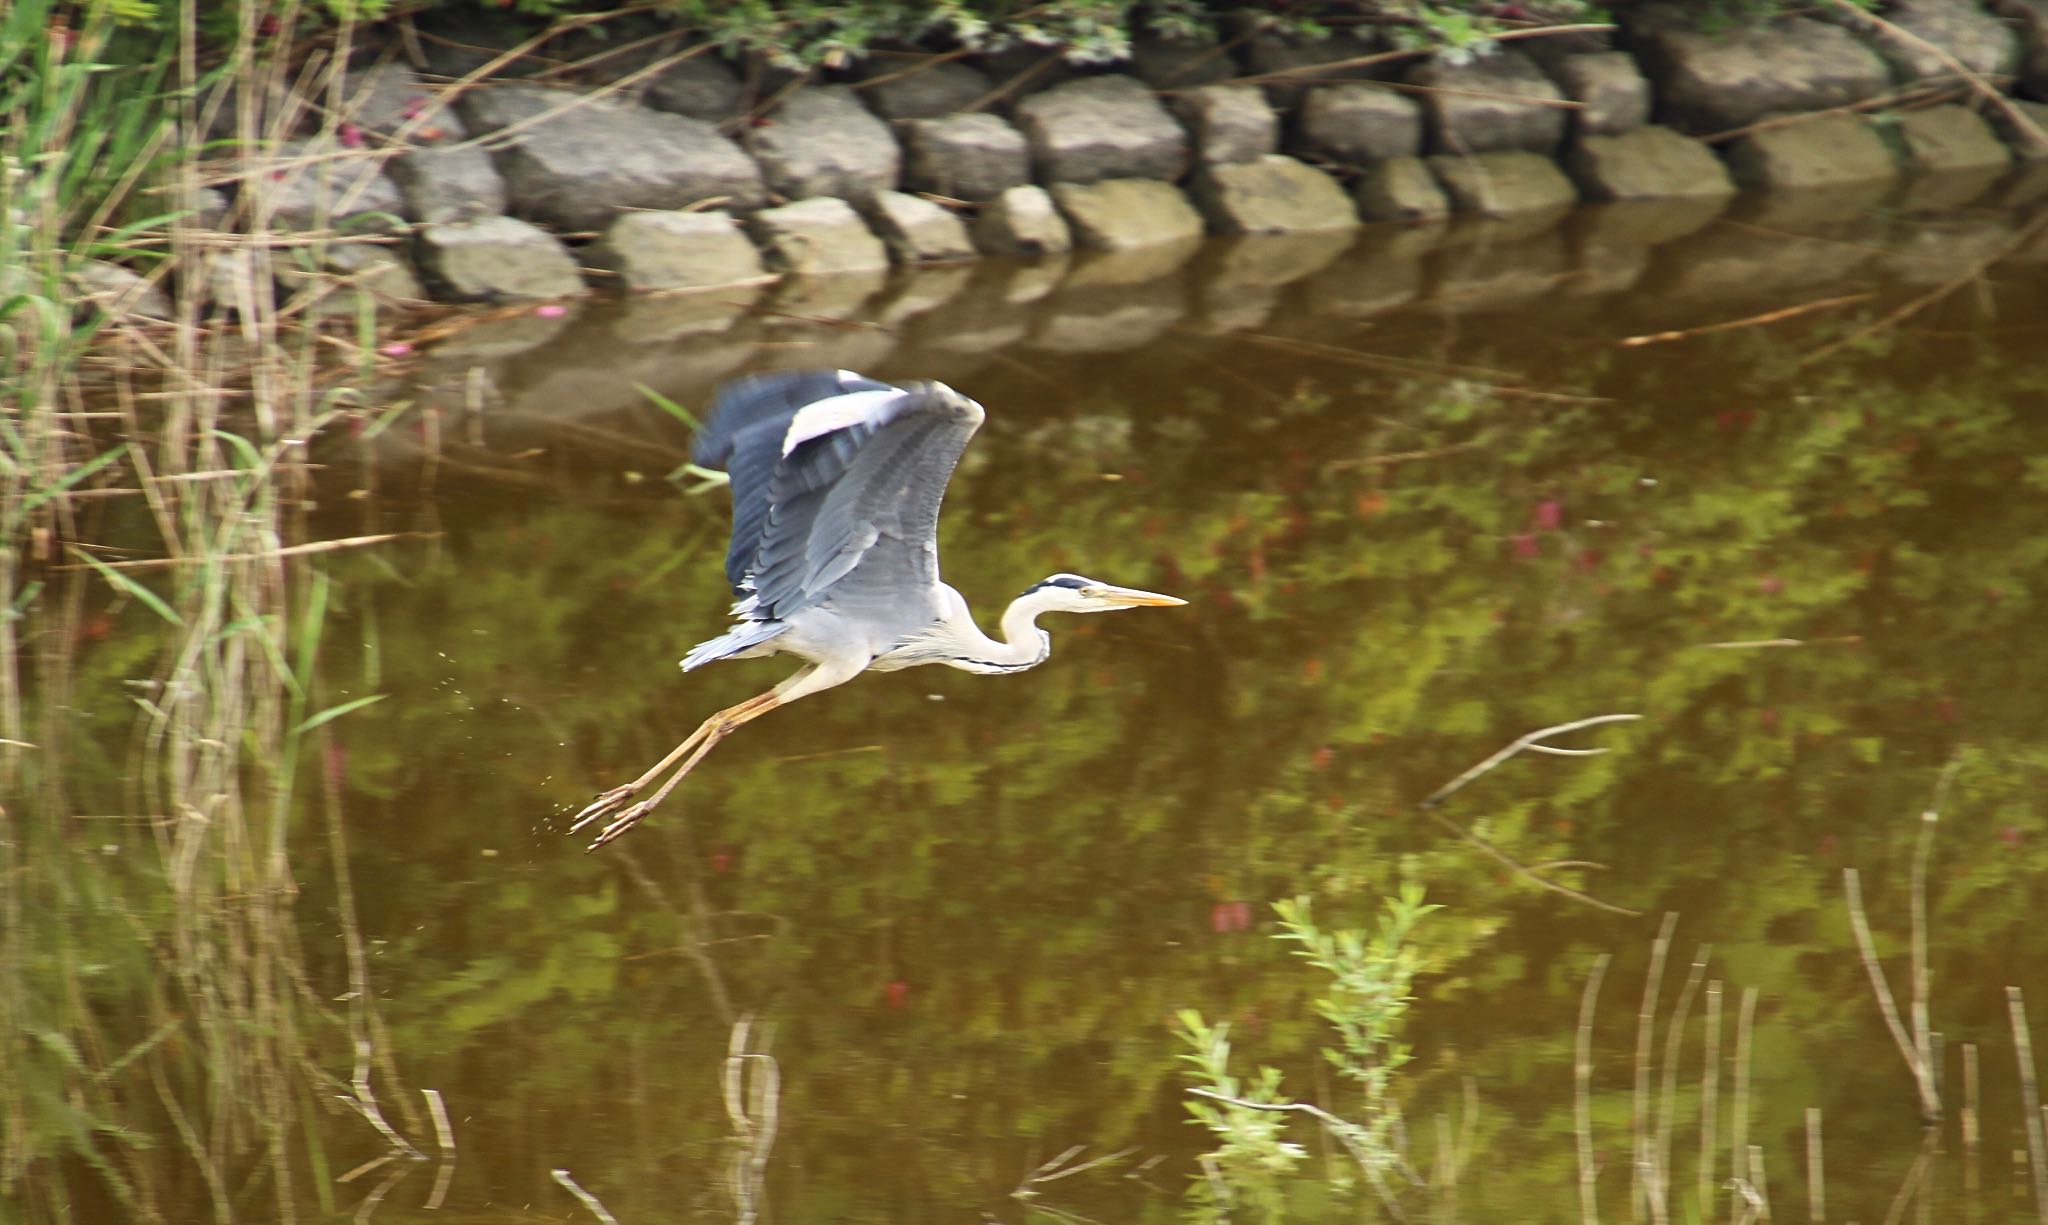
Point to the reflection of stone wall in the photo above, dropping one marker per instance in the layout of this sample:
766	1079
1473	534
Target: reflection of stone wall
674	176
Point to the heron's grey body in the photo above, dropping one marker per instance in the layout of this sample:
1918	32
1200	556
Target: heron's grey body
836	486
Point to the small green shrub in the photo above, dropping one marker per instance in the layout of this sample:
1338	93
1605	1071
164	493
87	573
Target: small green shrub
1255	1166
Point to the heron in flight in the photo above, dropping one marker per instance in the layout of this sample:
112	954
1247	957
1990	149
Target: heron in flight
836	485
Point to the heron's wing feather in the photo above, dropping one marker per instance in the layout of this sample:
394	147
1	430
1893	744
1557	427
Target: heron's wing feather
860	488
744	435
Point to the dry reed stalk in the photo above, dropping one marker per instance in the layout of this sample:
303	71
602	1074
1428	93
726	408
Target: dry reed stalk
1642	1177
2030	1098
1582	1094
1910	1046
1816	1170
1738	1126
1970	1115
1710	1098
1760	1189
1667	1106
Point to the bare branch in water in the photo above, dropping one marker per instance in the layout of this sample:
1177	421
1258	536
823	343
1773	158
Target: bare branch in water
1530	741
596	1206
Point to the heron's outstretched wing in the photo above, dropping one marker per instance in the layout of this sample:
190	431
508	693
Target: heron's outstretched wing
831	473
743	435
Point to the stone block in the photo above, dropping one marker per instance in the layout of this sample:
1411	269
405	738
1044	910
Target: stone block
120	292
965	157
1962	29
1646	164
677	250
1492	274
1381	272
1022	221
1715	80
702	87
822	142
1230	123
1943	138
1108	127
1475	107
319	185
917	231
899	91
1612	94
497	257
458	184
1400	189
1504	184
821	236
1110	320
390	100
1824	151
1273	195
1359	124
591	160
335	278
1119	214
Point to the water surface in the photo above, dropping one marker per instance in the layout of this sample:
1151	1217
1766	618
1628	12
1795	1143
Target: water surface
1423	497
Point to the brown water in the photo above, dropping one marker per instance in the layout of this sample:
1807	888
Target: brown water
1422	500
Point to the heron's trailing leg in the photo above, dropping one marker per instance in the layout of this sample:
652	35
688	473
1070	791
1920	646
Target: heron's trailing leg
699	743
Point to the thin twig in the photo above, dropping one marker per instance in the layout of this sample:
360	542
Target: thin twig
1768	317
296	550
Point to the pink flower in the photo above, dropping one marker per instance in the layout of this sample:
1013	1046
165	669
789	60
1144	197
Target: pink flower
552	310
396	348
351	136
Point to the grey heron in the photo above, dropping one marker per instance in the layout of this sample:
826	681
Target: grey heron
836	485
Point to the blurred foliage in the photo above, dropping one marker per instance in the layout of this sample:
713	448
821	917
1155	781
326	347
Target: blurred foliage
972	907
834	32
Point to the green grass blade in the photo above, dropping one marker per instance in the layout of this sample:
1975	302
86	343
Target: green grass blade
143	595
335	712
71	478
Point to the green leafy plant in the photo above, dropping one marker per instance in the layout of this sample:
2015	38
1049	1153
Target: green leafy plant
1365	1003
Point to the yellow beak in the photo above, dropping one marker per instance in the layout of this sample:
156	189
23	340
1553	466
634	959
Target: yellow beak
1131	597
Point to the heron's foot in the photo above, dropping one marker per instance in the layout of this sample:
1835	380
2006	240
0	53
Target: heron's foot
605	805
623	822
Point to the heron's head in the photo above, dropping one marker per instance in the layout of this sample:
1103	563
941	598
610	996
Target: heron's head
1074	593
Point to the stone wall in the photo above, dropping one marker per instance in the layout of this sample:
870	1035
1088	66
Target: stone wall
681	175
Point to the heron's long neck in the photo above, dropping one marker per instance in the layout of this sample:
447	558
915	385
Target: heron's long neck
1022	646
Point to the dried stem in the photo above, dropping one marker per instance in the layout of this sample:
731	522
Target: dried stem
1667	1107
1644	1176
2030	1097
1710	1097
597	1208
1582	1096
1816	1176
1909	1048
1738	1127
